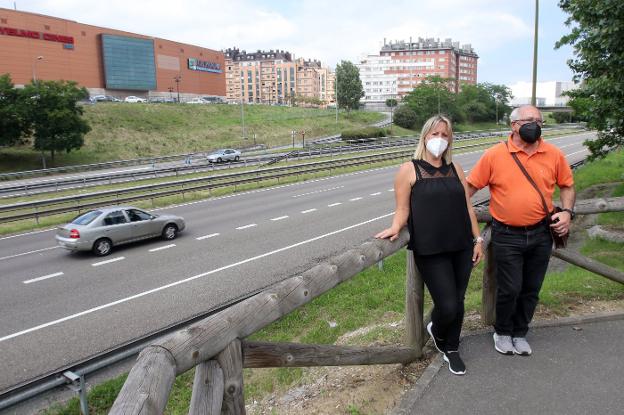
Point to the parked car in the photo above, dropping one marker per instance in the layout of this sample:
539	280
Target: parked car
104	98
197	101
226	154
132	98
100	230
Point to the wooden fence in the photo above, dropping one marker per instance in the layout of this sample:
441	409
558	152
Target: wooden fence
216	347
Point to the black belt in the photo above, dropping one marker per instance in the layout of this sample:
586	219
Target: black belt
542	223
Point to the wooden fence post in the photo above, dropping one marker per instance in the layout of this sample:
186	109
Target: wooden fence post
414	305
488	292
207	397
231	361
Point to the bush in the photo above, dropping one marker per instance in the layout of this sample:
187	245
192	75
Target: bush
363	133
405	117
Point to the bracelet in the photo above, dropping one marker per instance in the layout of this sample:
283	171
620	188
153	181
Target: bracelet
477	240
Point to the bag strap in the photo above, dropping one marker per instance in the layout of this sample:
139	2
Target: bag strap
526	174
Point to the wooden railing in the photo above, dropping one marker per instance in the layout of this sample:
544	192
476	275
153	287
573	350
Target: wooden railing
216	347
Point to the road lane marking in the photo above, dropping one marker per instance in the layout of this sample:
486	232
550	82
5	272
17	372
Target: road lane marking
391	190
29	252
108	261
355	199
318	191
160	248
334	204
251	225
280	218
375	194
194	277
576	152
45	277
309	210
212	235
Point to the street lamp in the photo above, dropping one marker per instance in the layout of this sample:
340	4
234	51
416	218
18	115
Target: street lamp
534	83
177	79
34	67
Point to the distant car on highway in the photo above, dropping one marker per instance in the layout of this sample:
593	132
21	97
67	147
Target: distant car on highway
226	154
197	101
104	98
100	230
132	98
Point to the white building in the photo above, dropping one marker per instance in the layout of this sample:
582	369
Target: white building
547	94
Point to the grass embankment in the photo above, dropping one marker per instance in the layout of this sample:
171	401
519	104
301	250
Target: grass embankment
127	131
376	296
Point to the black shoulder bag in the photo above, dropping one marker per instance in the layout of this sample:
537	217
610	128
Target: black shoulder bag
559	240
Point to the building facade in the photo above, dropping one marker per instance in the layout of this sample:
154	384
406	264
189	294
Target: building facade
106	61
547	94
401	66
275	77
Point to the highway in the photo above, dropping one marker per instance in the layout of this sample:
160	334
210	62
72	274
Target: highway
58	308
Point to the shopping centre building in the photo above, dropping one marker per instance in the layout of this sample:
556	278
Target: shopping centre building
106	61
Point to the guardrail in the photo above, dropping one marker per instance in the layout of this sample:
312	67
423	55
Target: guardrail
59	185
82	202
219	351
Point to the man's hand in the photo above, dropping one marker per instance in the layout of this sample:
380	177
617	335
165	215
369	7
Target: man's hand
561	223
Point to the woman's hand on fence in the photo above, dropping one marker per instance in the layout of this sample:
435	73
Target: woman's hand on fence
477	254
391	233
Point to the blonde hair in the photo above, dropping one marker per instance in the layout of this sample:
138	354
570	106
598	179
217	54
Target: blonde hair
429	126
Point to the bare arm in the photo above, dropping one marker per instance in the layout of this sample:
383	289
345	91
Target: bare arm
568	198
402	189
470	189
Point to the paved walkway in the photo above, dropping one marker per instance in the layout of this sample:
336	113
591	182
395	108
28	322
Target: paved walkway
574	369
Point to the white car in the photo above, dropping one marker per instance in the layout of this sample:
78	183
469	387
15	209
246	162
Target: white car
132	98
196	101
227	154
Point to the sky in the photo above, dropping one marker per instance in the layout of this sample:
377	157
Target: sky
500	31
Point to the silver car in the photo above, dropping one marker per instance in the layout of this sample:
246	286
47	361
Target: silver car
100	229
226	154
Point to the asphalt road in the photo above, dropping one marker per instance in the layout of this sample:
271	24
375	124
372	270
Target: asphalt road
58	308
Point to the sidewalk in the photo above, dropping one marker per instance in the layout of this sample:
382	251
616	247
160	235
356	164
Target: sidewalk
575	369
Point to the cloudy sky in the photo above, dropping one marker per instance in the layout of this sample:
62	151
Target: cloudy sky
501	31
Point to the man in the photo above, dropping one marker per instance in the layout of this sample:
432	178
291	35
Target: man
521	238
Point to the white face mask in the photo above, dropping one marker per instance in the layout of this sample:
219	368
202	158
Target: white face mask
436	146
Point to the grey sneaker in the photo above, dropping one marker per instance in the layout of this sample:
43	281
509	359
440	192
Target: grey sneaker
503	344
521	346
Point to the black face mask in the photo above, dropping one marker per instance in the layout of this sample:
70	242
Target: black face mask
530	132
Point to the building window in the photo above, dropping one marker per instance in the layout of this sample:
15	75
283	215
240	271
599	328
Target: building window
3	21
47	27
83	33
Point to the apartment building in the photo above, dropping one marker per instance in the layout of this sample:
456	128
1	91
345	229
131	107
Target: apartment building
401	66
274	77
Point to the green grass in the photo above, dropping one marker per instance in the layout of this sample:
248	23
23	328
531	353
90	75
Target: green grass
127	131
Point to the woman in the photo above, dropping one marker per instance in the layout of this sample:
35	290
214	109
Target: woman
432	200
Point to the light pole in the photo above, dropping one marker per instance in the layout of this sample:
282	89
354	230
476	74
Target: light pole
34	67
243	116
534	85
177	79
336	97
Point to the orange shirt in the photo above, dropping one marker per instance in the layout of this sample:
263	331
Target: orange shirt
512	198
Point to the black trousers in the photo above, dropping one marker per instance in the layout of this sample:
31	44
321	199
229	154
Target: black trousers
521	258
446	276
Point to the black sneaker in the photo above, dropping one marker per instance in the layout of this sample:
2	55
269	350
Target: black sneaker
437	342
456	365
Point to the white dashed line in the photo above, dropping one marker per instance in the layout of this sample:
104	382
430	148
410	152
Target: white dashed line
251	225
375	194
355	199
160	248
391	190
45	277
212	235
318	191
108	261
308	211
280	218
334	204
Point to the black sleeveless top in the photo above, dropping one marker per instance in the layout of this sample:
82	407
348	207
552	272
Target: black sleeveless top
438	220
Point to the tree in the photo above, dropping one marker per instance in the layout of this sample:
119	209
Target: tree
433	96
12	125
391	103
405	117
596	36
484	101
349	86
54	116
